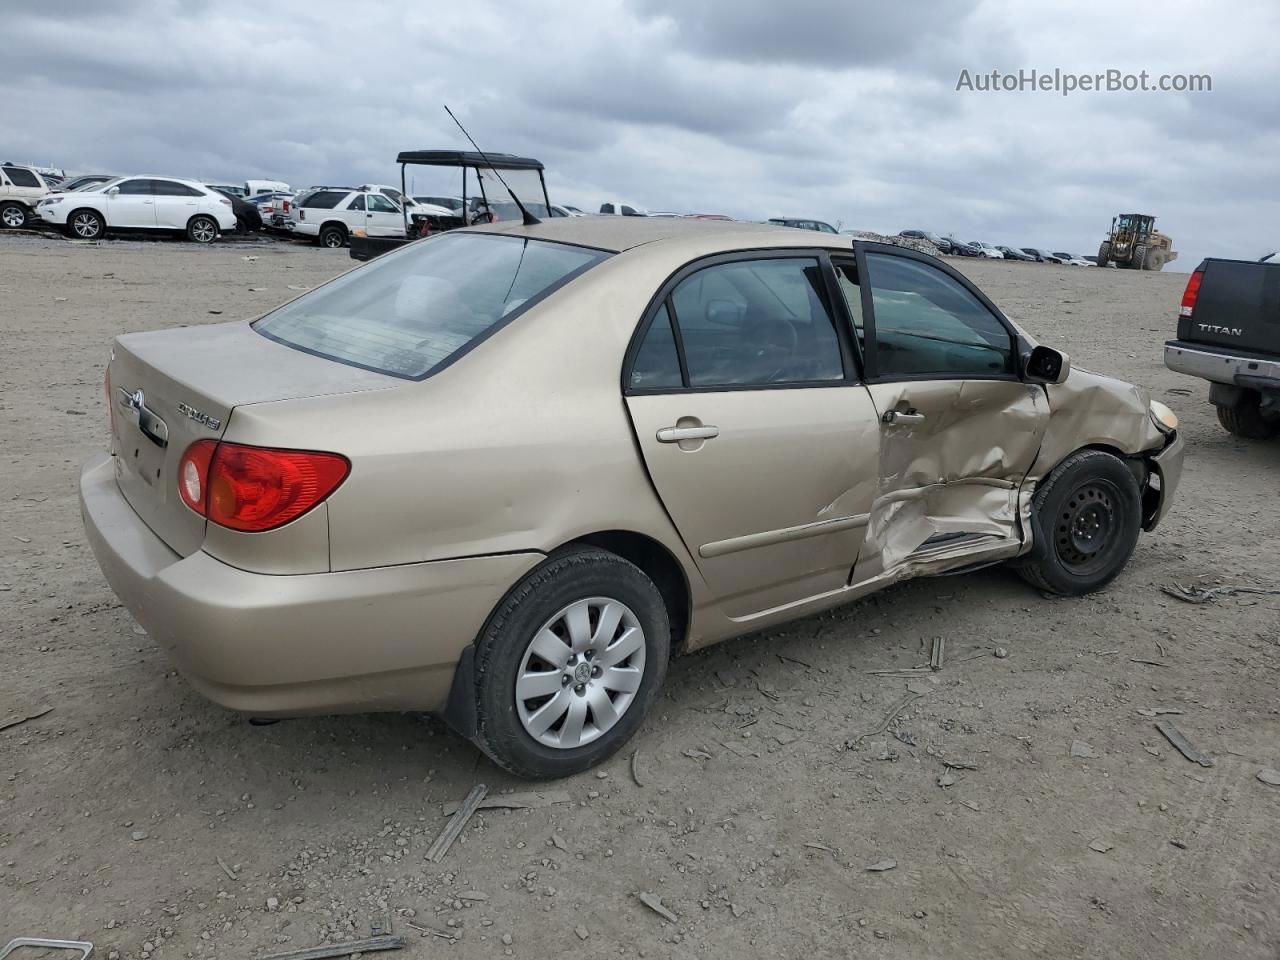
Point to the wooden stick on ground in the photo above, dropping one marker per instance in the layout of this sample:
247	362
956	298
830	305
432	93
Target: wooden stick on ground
457	823
339	949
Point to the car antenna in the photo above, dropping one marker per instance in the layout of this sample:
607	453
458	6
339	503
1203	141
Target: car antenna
529	218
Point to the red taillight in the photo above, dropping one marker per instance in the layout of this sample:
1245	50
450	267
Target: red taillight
286	206
256	488
1190	294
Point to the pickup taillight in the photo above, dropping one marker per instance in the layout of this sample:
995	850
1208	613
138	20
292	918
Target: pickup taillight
1191	294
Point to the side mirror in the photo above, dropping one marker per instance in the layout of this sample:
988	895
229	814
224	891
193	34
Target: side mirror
1046	365
114	191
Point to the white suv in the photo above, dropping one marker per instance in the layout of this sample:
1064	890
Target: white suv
330	214
141	203
20	190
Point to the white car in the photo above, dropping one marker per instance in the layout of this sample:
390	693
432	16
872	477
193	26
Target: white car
615	208
141	203
21	188
330	214
987	250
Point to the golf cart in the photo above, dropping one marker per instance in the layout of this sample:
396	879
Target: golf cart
489	200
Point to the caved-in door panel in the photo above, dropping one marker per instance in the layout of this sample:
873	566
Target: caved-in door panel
952	455
772	506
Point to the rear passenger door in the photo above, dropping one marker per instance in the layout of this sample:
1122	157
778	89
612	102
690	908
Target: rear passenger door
132	204
958	428
175	204
756	432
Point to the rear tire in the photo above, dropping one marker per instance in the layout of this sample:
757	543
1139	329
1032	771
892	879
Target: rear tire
1247	421
14	216
202	229
1089	513
332	237
519	724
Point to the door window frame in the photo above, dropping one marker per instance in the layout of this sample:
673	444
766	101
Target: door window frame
850	359
870	360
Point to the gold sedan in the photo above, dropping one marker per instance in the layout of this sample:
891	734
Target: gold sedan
505	472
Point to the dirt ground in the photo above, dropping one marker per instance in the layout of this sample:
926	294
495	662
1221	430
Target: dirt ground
139	816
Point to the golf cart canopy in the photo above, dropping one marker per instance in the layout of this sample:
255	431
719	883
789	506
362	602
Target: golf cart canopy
467	158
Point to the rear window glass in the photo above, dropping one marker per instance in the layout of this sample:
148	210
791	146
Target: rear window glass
325	199
22	178
412	311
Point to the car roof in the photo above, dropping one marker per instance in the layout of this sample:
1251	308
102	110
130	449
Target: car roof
616	234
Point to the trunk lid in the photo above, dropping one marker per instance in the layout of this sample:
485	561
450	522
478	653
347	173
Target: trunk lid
1238	306
170	388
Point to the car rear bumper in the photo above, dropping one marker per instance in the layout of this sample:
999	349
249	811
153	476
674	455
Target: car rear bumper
385	638
1220	366
1167	465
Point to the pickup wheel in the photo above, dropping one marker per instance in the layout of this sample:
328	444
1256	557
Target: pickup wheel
1089	513
332	237
1246	420
13	215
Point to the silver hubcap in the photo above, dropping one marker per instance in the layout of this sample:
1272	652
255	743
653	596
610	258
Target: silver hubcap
85	225
13	217
204	231
332	240
580	673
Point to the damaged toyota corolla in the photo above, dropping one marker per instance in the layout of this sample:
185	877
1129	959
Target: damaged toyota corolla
504	473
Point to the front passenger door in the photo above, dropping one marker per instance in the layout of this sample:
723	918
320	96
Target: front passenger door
383	218
958	429
133	205
759	439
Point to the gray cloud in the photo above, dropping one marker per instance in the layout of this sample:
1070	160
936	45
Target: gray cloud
845	111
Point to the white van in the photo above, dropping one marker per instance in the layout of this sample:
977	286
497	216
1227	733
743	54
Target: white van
254	187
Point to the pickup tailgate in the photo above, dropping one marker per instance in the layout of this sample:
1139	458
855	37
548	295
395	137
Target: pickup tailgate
170	388
1238	306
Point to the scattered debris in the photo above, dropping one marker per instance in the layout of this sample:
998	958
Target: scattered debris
139	835
889	718
1001	653
1081	749
457	823
369	945
946	780
958	764
581	931
249	259
635	769
938	653
557	841
1269	776
1157	711
216	313
920	687
427	931
736	910
882	865
84	946
905	736
697	753
654	903
1100	846
818	846
971	805
1184	747
1194	593
231	874
1180	844
513	801
17	718
1149	663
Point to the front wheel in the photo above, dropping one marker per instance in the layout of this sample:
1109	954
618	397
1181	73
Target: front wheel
86	225
13	215
1089	512
569	664
202	229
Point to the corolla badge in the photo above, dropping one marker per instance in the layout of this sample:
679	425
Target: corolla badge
191	413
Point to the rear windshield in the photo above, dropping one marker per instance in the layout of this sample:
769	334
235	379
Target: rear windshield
411	312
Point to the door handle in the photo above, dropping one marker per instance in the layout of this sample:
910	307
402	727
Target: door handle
676	434
901	416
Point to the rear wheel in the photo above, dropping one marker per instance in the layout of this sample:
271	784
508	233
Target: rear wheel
1089	513
1246	420
86	225
332	237
13	215
202	229
569	664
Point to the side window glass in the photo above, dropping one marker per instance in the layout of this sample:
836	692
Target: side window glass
136	187
21	177
380	204
356	204
758	322
847	275
927	323
657	363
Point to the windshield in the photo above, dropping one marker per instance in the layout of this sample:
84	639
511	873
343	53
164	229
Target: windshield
413	311
526	183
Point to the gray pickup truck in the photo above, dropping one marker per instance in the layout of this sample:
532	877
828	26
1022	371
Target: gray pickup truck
1229	334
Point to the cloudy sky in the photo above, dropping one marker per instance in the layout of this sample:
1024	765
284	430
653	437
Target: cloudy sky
844	111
